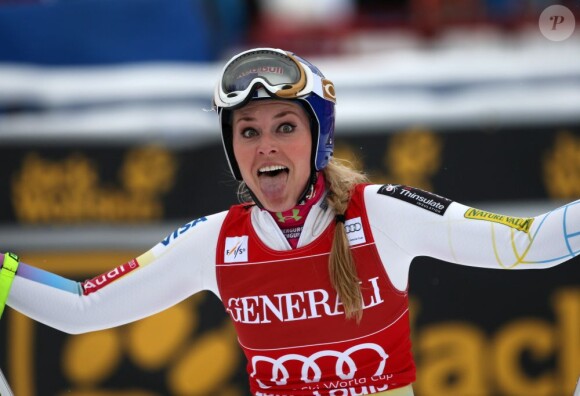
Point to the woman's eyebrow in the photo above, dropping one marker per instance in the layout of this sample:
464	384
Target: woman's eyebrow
278	115
284	113
245	118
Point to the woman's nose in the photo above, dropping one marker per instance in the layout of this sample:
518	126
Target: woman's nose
267	145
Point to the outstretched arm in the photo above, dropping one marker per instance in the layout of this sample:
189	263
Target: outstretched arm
417	223
174	269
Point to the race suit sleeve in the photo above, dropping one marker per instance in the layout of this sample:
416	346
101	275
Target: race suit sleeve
407	222
179	266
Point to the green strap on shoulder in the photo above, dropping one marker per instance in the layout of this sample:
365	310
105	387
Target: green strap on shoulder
7	274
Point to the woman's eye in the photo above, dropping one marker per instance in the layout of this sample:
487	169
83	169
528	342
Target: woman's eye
286	128
249	132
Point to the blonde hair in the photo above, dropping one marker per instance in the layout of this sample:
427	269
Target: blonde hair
341	178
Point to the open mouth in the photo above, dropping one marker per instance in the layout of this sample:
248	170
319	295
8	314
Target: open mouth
272	170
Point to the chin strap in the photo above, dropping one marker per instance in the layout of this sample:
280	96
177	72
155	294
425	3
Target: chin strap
7	274
309	190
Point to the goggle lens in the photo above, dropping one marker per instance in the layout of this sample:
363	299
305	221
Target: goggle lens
274	68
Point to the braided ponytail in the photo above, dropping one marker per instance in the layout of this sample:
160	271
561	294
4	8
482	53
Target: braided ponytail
341	180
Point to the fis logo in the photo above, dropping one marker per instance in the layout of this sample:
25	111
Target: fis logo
236	250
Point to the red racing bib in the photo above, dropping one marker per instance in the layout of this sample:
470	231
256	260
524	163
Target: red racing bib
290	323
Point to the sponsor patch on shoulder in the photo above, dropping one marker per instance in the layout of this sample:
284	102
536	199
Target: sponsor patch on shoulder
415	196
354	231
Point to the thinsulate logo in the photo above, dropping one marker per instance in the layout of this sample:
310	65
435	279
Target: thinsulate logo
519	223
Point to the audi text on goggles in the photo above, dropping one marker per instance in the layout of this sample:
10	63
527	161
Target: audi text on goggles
277	71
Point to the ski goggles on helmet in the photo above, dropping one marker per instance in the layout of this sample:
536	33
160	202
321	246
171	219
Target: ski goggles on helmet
282	74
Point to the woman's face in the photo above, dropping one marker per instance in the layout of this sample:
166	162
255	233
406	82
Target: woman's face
272	145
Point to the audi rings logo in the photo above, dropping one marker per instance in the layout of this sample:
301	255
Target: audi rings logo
345	364
353	227
354	231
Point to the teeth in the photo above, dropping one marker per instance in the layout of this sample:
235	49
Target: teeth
271	168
